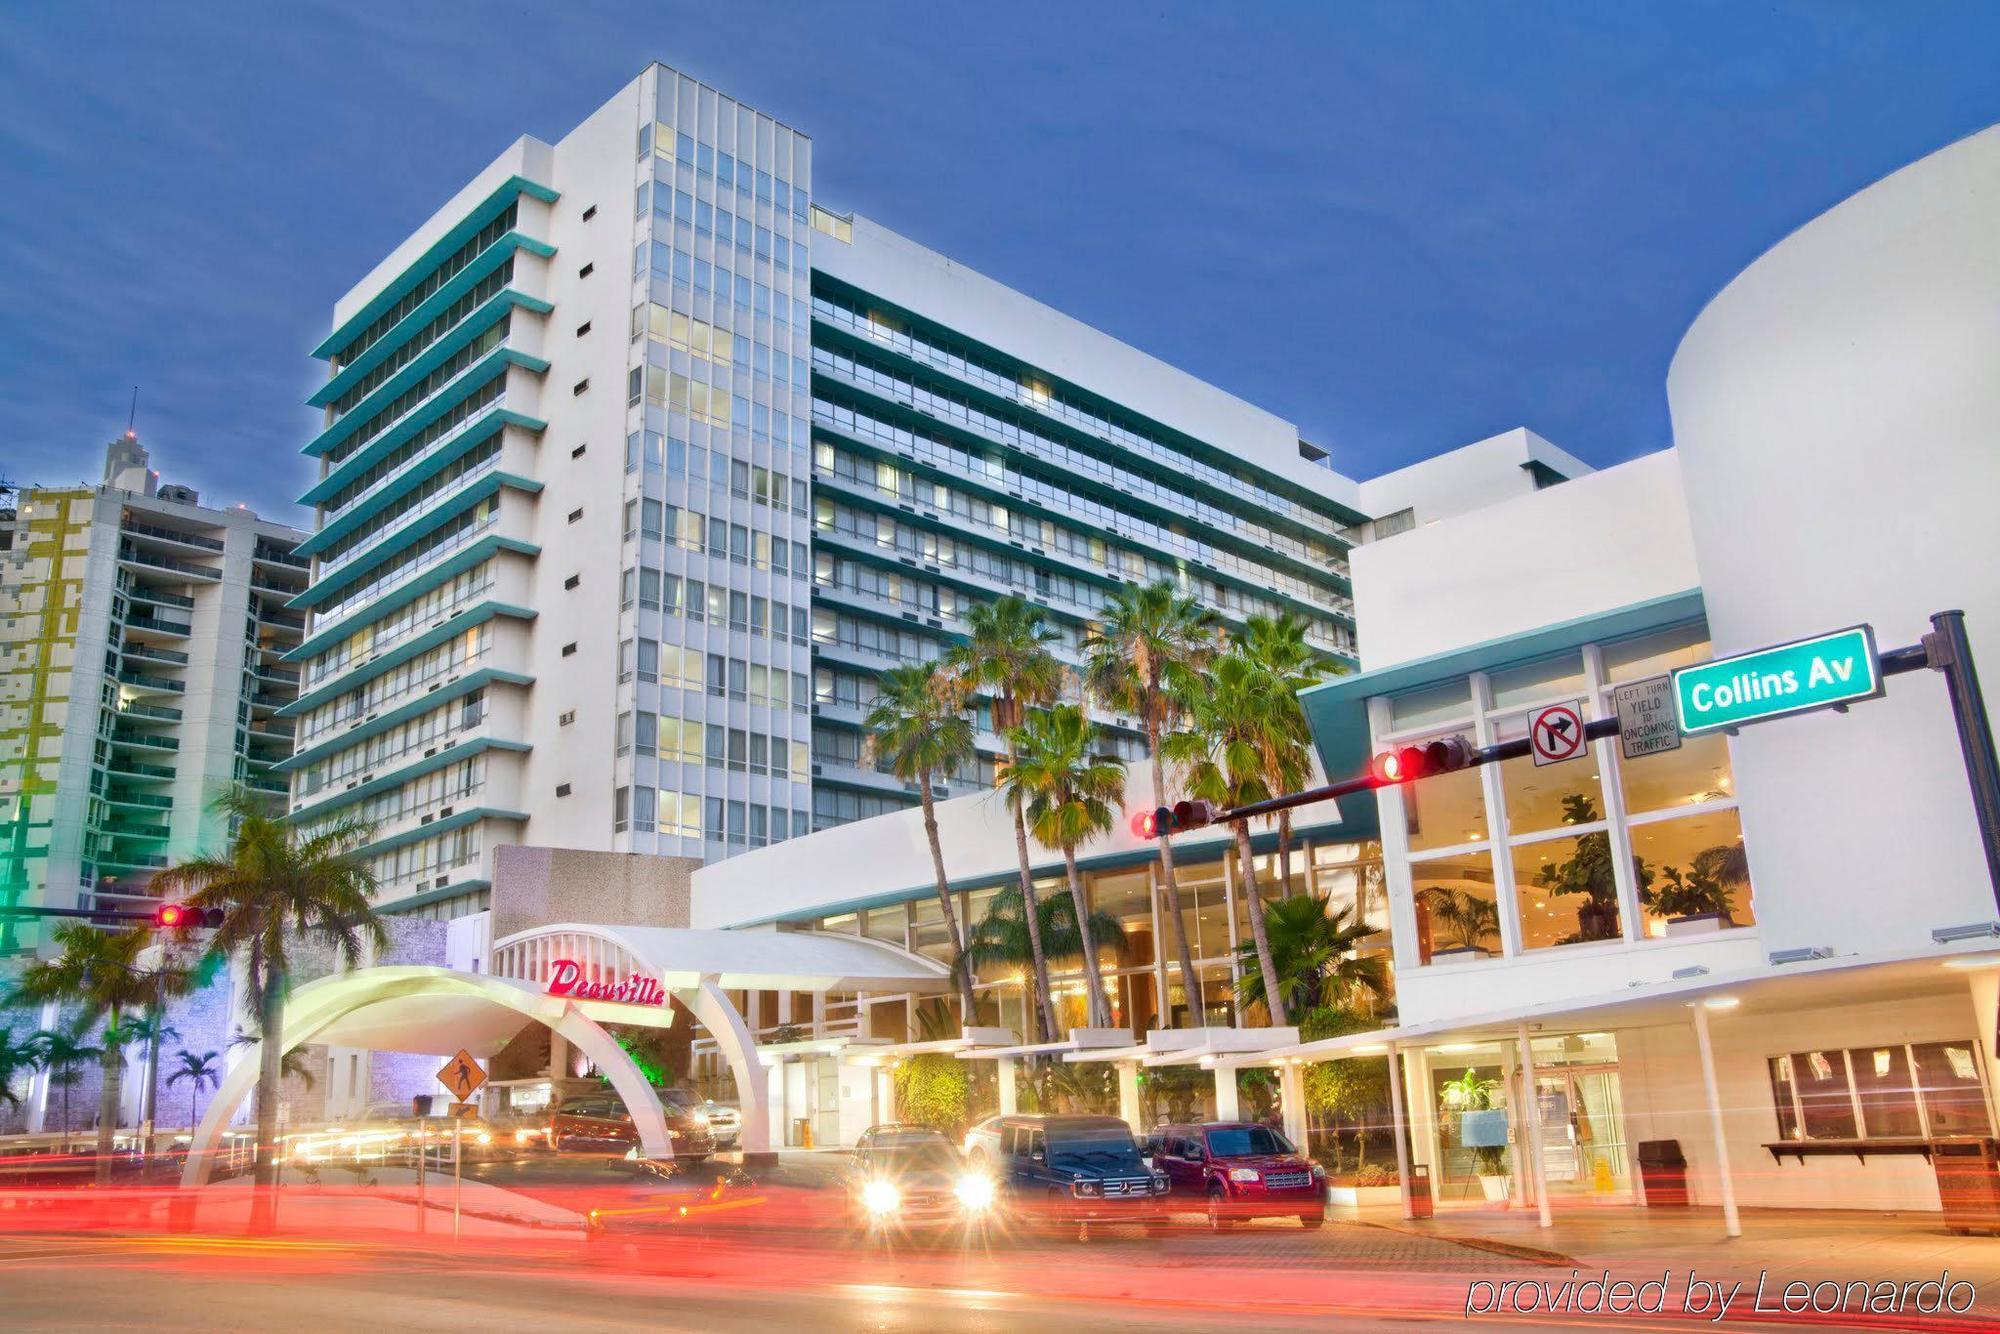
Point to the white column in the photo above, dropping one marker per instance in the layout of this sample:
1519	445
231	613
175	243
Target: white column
1292	1096
1986	1023
885	1095
1731	1224
1128	1096
1004	1068
1518	1193
558	1056
1227	1106
1531	1125
1402	1128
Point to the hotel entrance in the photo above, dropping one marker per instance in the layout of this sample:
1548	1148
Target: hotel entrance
1582	1115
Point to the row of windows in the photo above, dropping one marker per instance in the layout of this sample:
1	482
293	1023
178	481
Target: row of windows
398	742
718	675
872	636
696	337
693	600
466	408
727	171
1923	1090
411	348
436	379
447	269
970	364
741	290
452	786
434	545
687	741
707	535
447	659
426	857
717	819
728	230
679	458
483	457
415	616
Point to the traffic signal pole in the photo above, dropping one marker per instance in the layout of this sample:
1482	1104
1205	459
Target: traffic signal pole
1945	650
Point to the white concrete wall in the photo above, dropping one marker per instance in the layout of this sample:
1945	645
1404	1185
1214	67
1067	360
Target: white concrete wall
1603	541
1836	410
899	270
1468	478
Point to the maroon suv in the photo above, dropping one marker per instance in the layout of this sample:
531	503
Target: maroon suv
1240	1170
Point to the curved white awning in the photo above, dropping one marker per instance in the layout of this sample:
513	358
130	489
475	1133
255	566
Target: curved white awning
680	957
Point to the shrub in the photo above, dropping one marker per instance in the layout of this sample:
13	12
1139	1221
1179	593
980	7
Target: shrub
1374	1174
933	1090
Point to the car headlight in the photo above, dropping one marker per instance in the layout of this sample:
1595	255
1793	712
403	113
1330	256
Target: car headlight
1087	1188
881	1197
1159	1183
484	1137
1319	1172
523	1136
699	1118
1244	1174
975	1191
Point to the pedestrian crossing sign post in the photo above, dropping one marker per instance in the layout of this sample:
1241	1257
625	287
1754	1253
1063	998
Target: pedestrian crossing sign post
462	1075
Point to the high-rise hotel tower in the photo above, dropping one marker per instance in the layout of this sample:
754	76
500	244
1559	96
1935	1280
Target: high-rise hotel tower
639	466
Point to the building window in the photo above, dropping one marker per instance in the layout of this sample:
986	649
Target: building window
590	213
562	789
568	649
1400	522
577	453
573	581
586	270
575	515
1924	1090
567	717
583	329
579	386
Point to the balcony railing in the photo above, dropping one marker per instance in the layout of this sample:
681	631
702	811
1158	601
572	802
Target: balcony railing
159	711
146	799
121	736
155	653
141	621
173	535
142	593
128	552
139	768
145	682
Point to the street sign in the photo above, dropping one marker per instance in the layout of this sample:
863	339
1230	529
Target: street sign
1556	733
1647	722
465	1109
462	1075
1826	671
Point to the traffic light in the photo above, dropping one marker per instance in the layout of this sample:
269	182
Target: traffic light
1164	821
1442	756
185	917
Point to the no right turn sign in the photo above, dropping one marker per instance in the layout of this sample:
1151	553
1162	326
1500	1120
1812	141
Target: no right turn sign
1556	732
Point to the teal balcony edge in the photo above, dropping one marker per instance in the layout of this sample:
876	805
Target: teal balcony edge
410	592
472	435
440	351
467	227
361	672
418	471
418	417
414	769
464	281
424	523
430	896
444	826
402	713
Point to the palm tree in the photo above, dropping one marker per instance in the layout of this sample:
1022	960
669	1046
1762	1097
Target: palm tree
1006	655
1002	939
1469	918
1067	791
104	974
1148	647
918	724
59	1054
1278	645
280	885
292	1067
16	1059
200	1072
1315	950
1234	723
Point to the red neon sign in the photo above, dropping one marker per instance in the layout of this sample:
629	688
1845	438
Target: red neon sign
566	979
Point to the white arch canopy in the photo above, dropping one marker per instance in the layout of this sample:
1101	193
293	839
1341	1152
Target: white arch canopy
414	1008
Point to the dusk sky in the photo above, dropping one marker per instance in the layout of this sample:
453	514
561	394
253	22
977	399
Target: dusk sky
1402	226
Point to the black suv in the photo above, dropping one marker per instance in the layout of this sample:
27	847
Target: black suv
1068	1169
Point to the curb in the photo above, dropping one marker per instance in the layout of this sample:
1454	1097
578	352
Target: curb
1532	1254
512	1220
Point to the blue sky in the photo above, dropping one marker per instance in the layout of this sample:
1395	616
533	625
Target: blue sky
1403	226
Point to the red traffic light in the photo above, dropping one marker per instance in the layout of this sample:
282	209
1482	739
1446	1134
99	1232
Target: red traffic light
1145	824
1443	756
184	916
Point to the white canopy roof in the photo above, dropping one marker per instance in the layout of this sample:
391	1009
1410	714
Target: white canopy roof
680	957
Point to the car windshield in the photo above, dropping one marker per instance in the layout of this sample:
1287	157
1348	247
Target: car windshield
916	1154
1091	1141
1244	1141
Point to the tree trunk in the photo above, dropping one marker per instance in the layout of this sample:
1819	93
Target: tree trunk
270	1082
1273	1001
1190	980
1093	980
1030	909
110	1092
1285	852
951	921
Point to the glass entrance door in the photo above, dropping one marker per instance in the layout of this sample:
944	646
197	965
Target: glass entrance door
1583	1130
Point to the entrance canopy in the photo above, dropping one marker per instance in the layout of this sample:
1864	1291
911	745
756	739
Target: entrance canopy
679	958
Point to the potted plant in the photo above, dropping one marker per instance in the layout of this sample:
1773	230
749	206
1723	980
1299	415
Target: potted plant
1464	918
1590	873
1482	1127
1697	899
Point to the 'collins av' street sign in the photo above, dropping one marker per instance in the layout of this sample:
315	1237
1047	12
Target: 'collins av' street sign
1825	671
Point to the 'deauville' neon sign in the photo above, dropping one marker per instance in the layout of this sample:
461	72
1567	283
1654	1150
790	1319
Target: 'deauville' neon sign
566	979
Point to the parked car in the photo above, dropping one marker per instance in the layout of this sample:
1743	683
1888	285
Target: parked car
1068	1169
599	1122
1239	1170
909	1177
725	1122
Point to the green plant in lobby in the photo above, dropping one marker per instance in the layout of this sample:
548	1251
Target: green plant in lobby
1001	940
1278	645
1006	654
1149	646
1236	718
1067	789
1314	948
279	886
1590	870
111	978
1706	887
1471	1095
933	1089
1470	920
918	724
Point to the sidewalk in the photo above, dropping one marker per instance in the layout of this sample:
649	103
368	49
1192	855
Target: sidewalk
1809	1244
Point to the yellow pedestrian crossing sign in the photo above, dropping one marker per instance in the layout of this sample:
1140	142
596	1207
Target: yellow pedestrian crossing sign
462	1075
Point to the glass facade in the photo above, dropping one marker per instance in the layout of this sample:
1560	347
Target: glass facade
1511	858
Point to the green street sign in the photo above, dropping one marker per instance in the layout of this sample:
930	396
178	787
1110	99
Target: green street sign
1823	672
